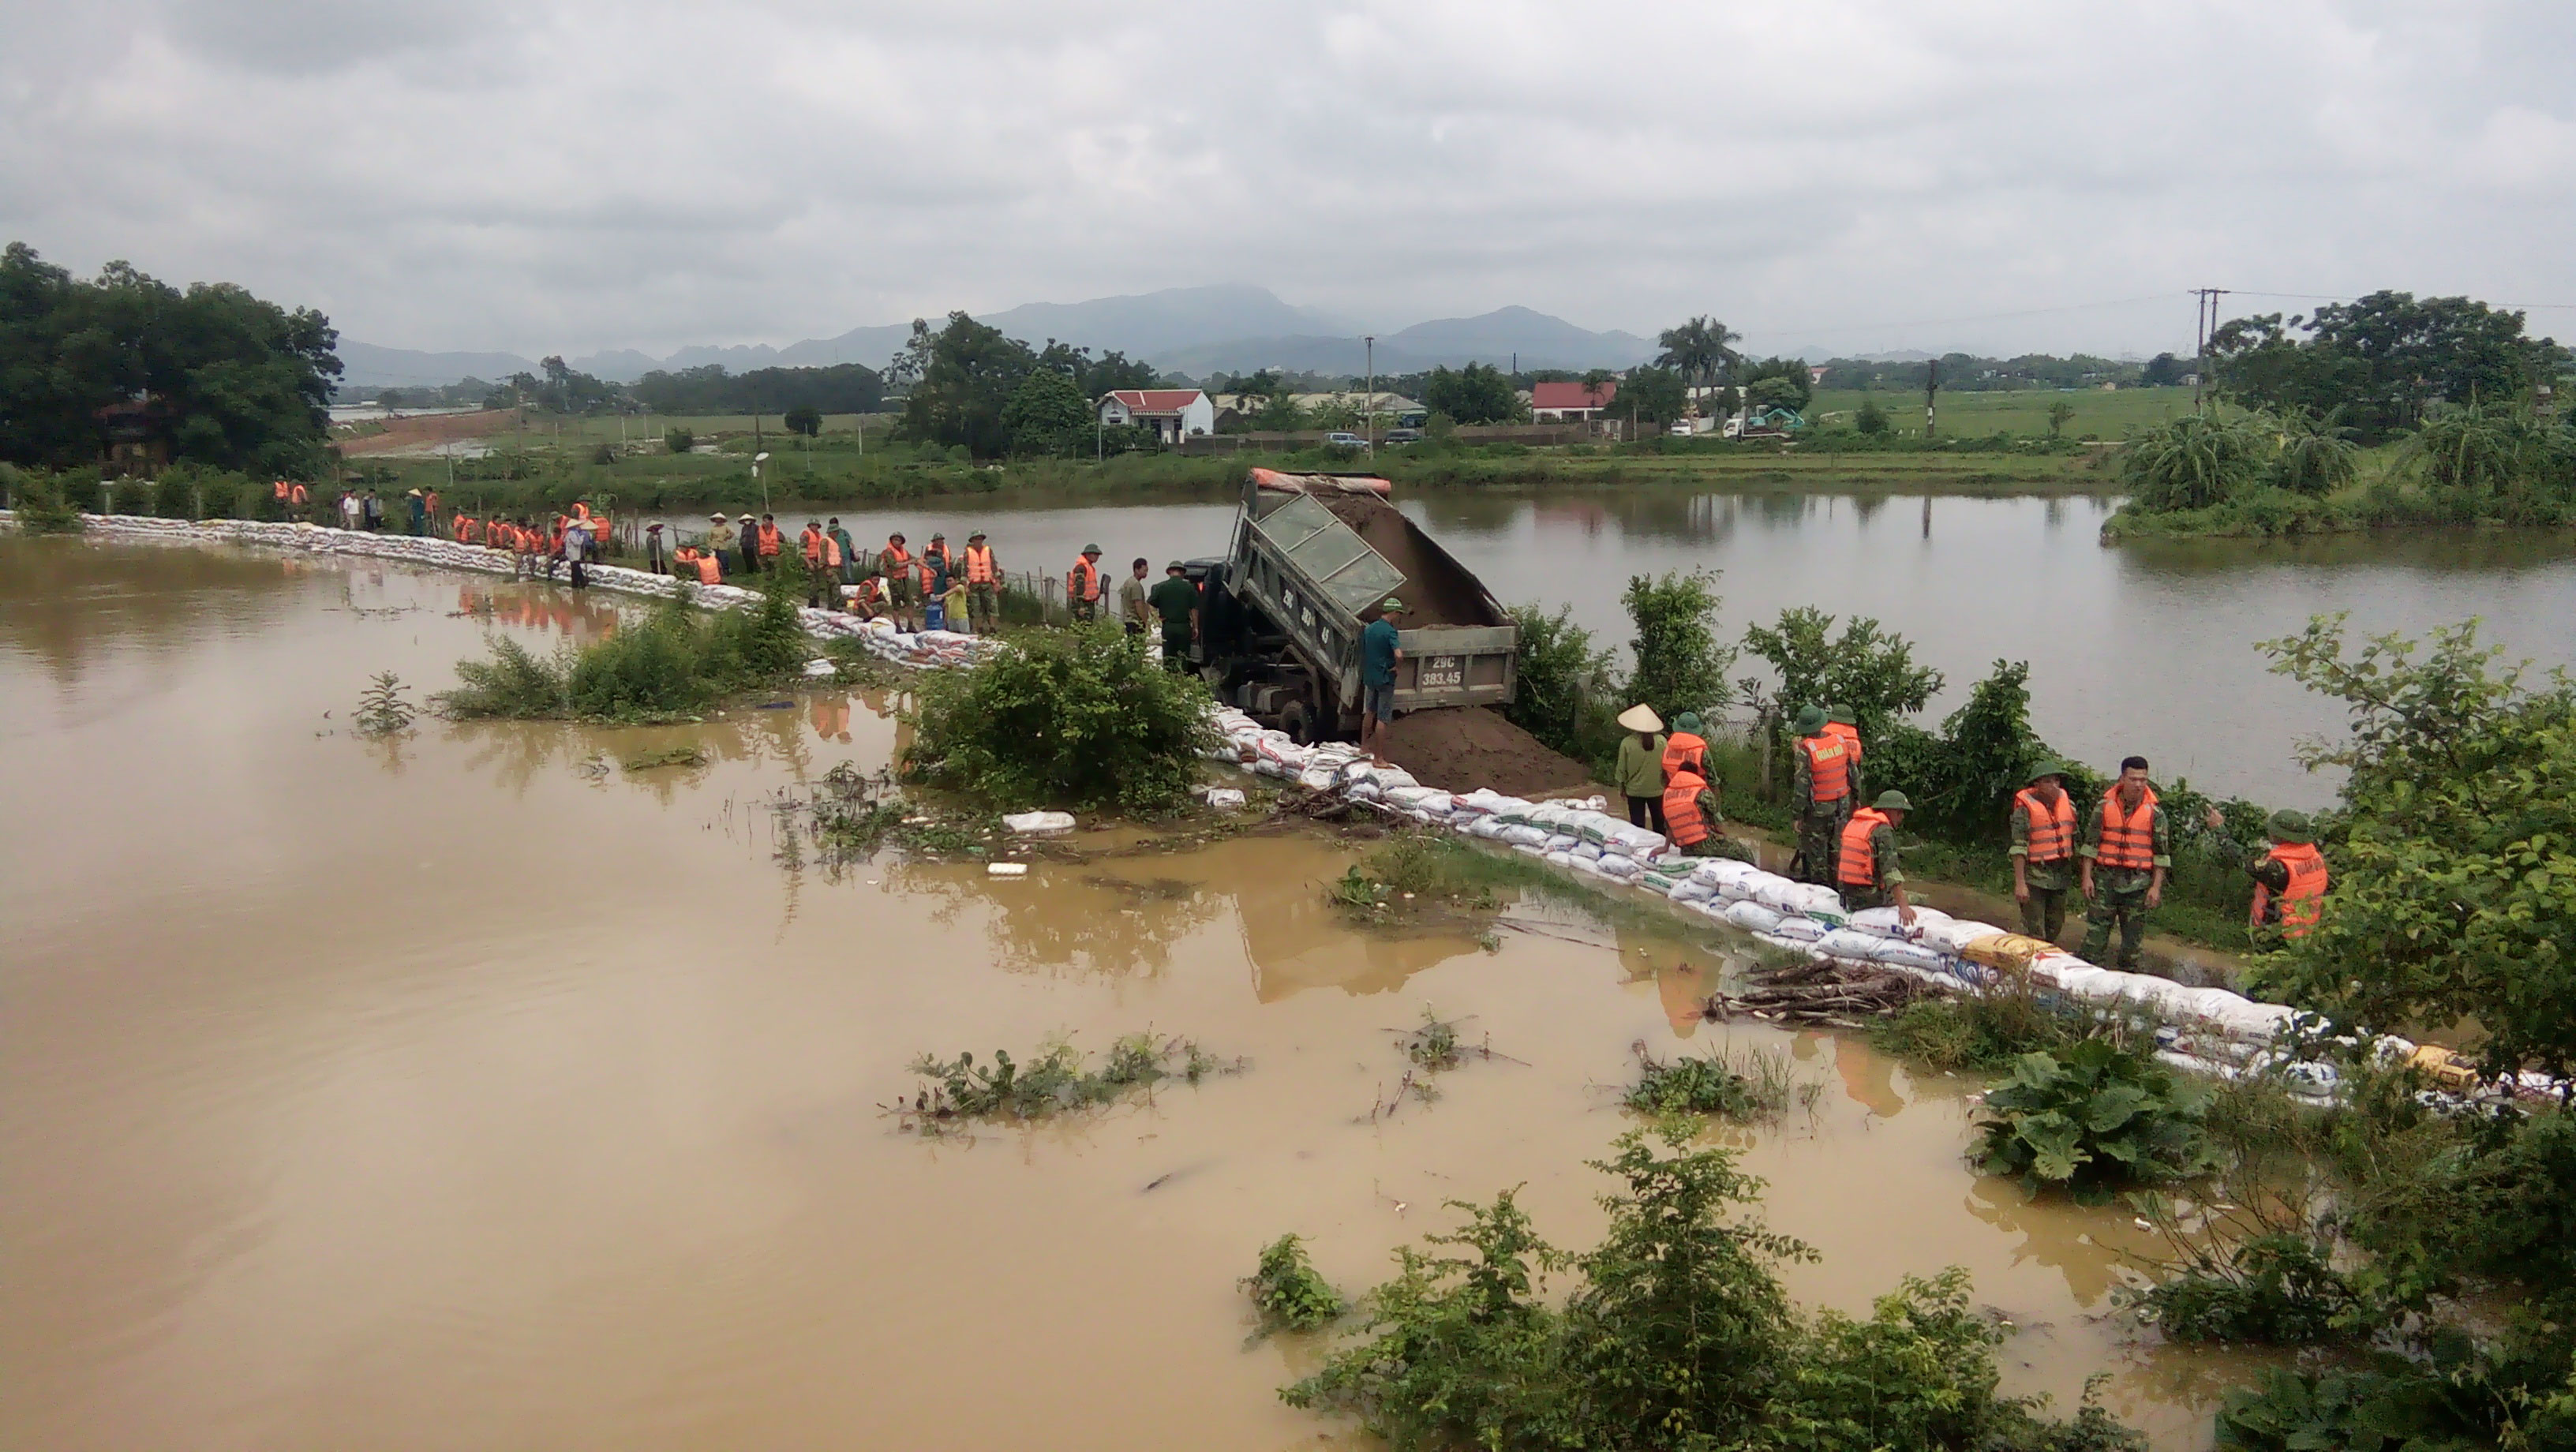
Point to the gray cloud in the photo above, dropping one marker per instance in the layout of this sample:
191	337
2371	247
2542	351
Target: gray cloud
1851	175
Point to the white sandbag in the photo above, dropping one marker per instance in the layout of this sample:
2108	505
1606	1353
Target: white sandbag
1486	799
1850	945
1316	778
1913	957
1558	856
1039	824
1952	934
1752	916
1731	878
1804	929
1562	842
1417	798
1585	850
1491	830
1659	886
1813	899
1688	889
1627	869
1539	852
1635	841
1523	836
1225	799
1364	791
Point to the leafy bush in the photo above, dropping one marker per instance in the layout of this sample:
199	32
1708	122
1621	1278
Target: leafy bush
1680	665
679	440
1566	691
1054	1082
1870	419
1290	1294
515	684
2316	456
1677	1335
382	711
2091	1119
1079	718
42	503
678	661
2277	1289
1867	671
1754	1085
2193	462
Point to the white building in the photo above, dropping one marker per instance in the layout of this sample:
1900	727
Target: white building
1172	413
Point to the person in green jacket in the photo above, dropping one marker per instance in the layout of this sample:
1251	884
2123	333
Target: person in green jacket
1176	600
1640	769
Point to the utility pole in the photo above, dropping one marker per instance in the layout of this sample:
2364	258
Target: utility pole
2204	324
1368	397
1931	387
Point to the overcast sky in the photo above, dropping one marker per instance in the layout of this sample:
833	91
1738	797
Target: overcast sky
540	176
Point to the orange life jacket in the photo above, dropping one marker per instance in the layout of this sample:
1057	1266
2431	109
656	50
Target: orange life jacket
831	553
1828	766
979	564
1082	582
710	569
2052	832
1849	735
894	561
2127	841
811	542
278	489
770	540
2303	901
1859	864
463	528
922	572
1681	807
296	495
1682	747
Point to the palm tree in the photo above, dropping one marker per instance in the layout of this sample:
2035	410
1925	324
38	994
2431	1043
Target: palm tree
2317	454
1699	348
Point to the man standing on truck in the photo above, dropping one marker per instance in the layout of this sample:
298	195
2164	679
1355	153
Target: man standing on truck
1378	654
1177	601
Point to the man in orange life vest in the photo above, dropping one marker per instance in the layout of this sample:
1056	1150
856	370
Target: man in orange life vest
983	586
1820	792
2043	851
2126	853
902	590
1691	815
2289	880
1865	866
1839	723
1082	584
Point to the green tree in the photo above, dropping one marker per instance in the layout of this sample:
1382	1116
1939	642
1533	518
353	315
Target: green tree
1077	718
1795	386
2316	455
1280	413
1701	349
2162	371
1868	670
1680	664
804	419
961	378
2058	413
1654	397
1565	685
2385	359
1047	414
2454	892
1475	394
1870	419
212	375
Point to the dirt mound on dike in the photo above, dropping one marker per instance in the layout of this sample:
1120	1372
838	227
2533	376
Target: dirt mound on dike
1461	748
1436	591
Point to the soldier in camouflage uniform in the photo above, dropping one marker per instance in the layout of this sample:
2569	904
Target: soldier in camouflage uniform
1866	862
1820	792
2127	851
2043	851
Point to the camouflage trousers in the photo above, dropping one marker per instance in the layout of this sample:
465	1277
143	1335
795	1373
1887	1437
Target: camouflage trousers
1820	841
2125	908
2043	915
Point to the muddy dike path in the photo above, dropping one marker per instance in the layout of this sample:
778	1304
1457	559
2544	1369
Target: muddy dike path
466	1089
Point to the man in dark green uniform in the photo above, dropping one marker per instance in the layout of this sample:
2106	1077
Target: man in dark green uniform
2128	849
1820	820
1177	601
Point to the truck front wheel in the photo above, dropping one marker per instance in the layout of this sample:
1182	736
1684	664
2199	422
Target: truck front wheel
1298	720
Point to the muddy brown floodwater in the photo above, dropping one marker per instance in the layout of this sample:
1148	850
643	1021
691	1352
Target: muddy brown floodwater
464	1090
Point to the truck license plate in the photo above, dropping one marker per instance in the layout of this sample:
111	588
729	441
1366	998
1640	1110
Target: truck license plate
1441	670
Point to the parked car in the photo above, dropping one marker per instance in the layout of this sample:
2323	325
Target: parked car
1340	440
1402	436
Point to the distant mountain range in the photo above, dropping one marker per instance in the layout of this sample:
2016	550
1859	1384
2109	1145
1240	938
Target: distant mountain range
1233	328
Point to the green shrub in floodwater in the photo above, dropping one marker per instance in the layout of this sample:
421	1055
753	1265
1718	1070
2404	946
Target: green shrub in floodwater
515	684
1058	1080
1976	1031
1747	1085
42	501
2276	1289
1289	1292
382	711
1676	1335
1078	718
2094	1118
678	661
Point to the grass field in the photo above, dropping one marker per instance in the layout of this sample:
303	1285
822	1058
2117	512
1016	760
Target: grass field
2022	412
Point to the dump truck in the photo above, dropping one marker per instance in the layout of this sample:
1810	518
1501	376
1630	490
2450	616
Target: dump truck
1314	556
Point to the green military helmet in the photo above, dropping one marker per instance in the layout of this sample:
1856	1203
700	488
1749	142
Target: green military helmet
1689	721
1811	719
2288	826
1893	801
1091	549
2047	766
1842	714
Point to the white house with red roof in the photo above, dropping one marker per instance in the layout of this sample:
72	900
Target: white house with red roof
1172	413
1570	402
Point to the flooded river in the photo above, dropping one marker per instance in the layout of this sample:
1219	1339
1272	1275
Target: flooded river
465	1090
2144	647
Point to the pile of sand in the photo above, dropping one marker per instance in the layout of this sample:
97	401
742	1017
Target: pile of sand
1436	591
1461	748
